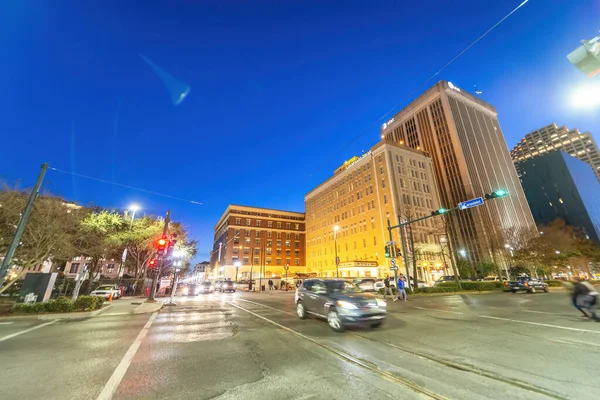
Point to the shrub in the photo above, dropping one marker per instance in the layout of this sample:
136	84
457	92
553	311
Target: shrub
381	291
86	303
62	304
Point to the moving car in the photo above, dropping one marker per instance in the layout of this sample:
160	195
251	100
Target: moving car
217	285
228	286
106	290
206	287
339	301
527	284
191	290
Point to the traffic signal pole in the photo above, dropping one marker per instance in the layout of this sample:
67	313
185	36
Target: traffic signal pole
10	252
161	261
393	254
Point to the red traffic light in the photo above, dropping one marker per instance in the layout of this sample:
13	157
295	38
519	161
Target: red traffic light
152	263
162	242
161	246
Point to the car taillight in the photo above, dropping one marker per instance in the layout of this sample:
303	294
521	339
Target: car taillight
505	283
526	284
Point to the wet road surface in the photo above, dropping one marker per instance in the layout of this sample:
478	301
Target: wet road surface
253	346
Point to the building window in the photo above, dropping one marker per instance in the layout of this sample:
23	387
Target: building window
269	251
297	253
278	261
297	261
246	261
278	252
257	234
236	250
238	221
257	222
372	222
297	226
288	252
247	232
269	243
278	235
256	251
246	250
288	235
247	241
269	224
257	242
288	225
248	222
297	244
279	224
379	158
279	243
385	199
256	261
268	261
375	240
383	183
381	170
269	234
297	236
74	268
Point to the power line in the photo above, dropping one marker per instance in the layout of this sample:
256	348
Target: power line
126	186
408	96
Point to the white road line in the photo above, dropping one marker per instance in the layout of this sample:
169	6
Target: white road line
115	379
539	324
436	309
539	312
264	305
6	323
27	330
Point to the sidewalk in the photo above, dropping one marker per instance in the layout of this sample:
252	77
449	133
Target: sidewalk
133	305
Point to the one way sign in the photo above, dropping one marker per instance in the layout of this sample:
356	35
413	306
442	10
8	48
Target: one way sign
393	265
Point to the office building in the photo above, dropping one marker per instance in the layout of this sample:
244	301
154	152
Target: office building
470	158
551	138
258	242
558	185
351	209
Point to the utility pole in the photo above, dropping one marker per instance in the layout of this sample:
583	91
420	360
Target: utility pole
404	255
250	285
393	265
161	260
16	240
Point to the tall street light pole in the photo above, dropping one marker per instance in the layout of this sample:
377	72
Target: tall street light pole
337	259
133	208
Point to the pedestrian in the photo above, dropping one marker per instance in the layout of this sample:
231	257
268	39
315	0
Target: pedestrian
584	298
401	288
270	284
387	288
281	286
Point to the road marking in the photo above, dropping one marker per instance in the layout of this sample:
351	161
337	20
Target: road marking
436	309
6	323
347	357
113	314
539	324
27	330
539	312
118	374
263	305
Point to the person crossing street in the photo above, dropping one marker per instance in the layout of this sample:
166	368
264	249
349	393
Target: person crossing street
387	288
401	288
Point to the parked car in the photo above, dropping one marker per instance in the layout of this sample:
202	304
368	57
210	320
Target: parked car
366	284
420	282
448	278
379	285
492	279
527	284
217	285
228	286
339	301
106	290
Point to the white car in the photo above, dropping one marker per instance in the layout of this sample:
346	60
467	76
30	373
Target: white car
106	290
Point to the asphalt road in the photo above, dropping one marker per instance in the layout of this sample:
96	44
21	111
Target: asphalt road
253	346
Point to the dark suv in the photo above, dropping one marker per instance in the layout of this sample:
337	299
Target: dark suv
341	302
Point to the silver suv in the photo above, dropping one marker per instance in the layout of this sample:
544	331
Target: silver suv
341	302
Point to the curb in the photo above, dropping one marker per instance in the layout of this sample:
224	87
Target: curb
140	309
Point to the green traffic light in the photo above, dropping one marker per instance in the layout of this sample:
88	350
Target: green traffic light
442	210
500	192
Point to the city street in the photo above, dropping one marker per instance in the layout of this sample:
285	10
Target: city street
253	346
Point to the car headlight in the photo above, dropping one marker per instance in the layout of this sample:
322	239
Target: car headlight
346	305
234	286
381	303
186	291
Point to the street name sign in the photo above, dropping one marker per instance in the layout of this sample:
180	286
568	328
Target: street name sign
470	203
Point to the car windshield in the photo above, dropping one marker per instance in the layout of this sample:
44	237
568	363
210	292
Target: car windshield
105	287
205	283
342	287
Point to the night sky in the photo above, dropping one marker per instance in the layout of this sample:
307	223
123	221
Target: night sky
278	90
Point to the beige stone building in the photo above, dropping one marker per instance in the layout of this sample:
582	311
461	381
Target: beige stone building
352	209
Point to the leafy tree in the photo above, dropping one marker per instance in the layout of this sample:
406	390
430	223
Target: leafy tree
486	268
48	234
94	239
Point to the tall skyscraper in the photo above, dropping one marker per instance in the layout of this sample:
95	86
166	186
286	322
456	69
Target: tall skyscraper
551	138
352	209
558	185
470	158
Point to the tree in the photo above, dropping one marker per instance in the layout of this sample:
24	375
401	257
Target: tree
95	239
487	267
48	234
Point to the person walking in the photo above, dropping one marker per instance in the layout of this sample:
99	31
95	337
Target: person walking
401	288
270	284
584	299
387	289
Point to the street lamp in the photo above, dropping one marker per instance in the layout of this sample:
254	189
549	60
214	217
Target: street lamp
133	208
237	265
337	259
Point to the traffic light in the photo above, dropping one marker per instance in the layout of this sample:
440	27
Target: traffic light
152	263
398	252
171	246
388	251
495	194
441	211
161	246
587	57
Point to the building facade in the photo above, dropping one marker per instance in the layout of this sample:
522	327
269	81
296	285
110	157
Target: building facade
470	158
259	242
551	138
108	269
351	210
558	185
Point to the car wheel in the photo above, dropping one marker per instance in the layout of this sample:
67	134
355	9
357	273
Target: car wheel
376	324
334	321
532	290
513	291
546	290
300	310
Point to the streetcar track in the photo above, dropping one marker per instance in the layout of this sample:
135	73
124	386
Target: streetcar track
438	360
349	358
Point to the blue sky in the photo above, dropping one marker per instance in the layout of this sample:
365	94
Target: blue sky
278	89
